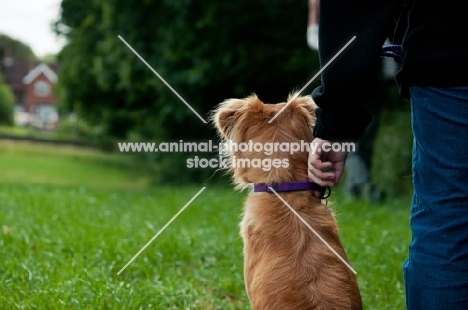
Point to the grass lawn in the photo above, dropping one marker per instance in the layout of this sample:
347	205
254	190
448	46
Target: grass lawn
26	162
71	219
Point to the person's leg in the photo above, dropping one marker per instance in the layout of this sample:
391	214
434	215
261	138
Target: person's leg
358	162
358	167
436	271
357	173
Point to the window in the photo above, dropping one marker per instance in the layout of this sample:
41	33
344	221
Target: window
41	88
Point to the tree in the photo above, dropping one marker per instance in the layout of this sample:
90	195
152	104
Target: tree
207	51
18	49
7	102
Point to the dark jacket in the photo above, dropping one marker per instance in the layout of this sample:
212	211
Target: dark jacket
435	53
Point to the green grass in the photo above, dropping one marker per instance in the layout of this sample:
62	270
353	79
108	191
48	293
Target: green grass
63	248
24	132
63	240
15	130
25	162
376	238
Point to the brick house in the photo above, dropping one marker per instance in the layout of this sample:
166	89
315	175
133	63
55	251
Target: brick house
39	84
32	84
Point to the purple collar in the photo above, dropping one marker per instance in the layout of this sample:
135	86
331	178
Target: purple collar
292	186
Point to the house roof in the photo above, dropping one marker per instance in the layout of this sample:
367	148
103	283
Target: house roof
40	68
14	74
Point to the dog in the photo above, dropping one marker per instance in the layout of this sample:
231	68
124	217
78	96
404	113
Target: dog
286	266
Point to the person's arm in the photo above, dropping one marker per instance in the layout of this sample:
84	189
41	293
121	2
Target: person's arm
350	81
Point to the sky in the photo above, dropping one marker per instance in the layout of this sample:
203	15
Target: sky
29	21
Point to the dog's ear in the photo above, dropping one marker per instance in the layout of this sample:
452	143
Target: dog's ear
304	104
226	115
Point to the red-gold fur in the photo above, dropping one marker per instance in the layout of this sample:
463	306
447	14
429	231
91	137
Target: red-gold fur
286	267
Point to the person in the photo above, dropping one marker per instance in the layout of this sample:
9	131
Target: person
358	183
312	25
434	78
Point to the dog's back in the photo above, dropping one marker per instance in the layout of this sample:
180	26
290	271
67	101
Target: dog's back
286	266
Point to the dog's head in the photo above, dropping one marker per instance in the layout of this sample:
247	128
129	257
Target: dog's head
263	152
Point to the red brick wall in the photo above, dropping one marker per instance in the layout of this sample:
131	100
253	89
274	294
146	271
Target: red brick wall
32	99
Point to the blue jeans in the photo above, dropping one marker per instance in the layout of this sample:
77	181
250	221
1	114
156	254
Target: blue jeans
436	271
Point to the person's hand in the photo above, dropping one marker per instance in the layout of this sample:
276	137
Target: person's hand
325	165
